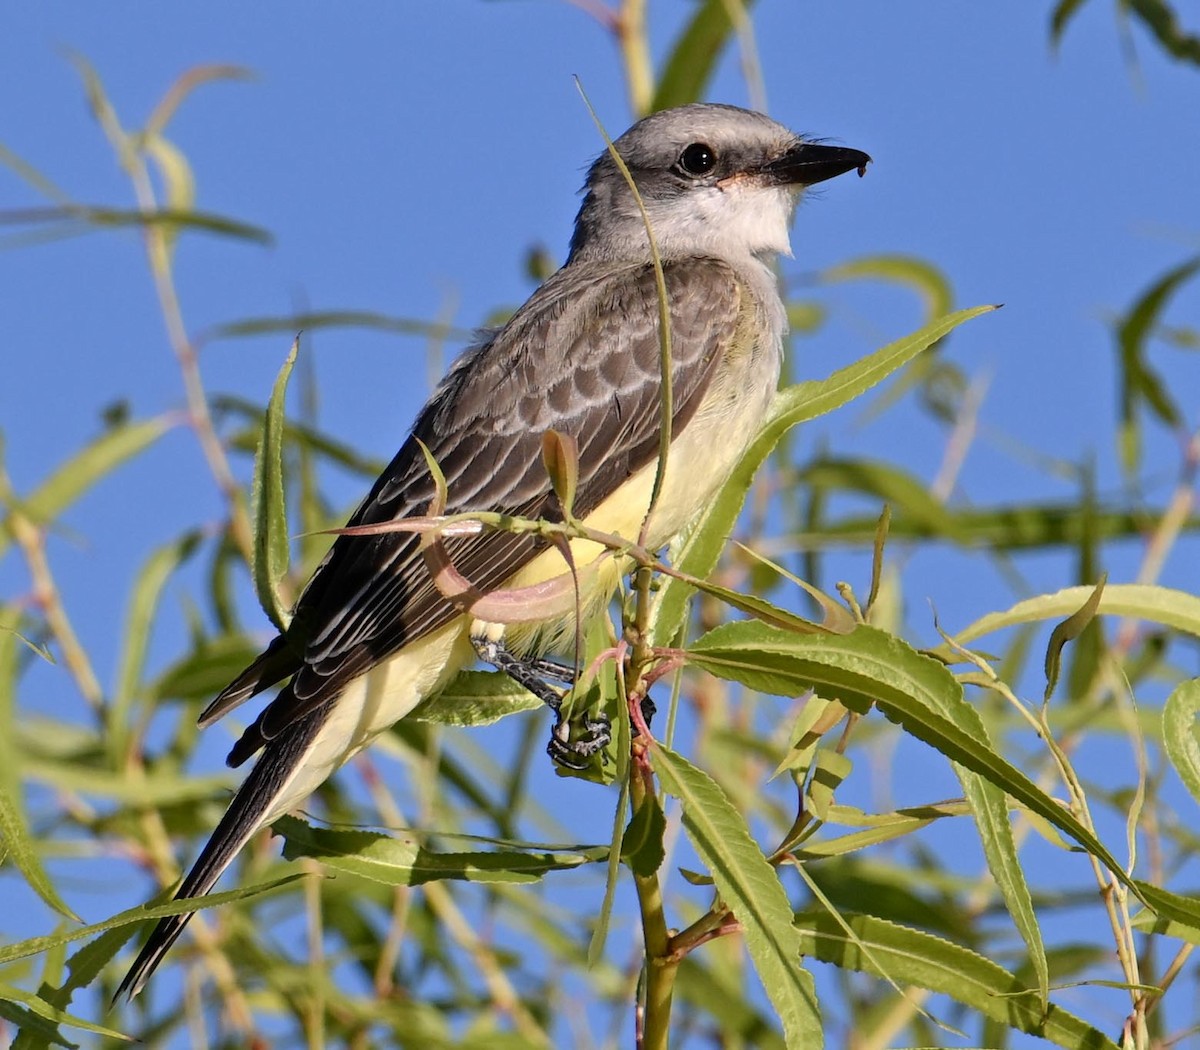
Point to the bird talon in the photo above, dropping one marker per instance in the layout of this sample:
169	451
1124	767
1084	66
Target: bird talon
575	754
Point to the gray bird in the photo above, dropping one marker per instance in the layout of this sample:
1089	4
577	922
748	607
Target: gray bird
373	635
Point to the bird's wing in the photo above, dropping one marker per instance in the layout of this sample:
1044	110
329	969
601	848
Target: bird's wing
582	357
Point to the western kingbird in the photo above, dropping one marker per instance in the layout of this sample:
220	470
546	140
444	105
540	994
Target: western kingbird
373	634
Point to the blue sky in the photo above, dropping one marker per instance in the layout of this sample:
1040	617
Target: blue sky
406	157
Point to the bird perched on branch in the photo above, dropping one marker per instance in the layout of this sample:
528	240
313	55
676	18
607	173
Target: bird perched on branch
376	632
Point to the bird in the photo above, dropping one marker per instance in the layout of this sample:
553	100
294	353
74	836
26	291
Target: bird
372	633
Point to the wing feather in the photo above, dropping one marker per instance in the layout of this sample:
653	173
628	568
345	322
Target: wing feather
582	357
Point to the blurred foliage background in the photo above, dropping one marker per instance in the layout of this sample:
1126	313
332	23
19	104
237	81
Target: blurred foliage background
963	866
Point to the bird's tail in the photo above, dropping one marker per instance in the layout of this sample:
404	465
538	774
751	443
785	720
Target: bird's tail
251	807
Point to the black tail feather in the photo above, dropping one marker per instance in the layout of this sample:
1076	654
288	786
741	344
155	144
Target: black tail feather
242	819
277	662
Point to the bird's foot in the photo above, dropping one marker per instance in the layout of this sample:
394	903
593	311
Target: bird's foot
532	674
577	753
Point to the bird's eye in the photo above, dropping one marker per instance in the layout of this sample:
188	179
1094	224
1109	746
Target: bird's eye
697	159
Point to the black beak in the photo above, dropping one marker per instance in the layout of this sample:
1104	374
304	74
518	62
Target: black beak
810	162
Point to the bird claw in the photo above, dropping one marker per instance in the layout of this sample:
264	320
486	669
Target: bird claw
577	754
532	675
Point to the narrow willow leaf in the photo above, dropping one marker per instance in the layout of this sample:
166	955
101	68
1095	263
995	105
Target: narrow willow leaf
1064	11
300	434
269	507
811	399
922	276
38	1006
877	548
697	553
31	645
751	888
829	770
815	719
1179	734
1067	631
694	54
396	861
1162	20
620	744
119	218
19	846
187	82
72	479
15	837
876	828
476	698
204	671
905	493
84	967
560	454
1162	605
1140	384
1171	906
144	913
835	616
139	619
768	612
1030	526
642	844
911	956
312	320
42	184
178	182
152	790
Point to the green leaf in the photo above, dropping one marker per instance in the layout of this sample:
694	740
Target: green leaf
207	669
310	321
476	698
99	215
397	861
40	1008
269	507
1160	18
1064	11
908	270
1174	907
175	173
152	790
877	828
693	57
752	890
902	491
1139	383
1067	631
1162	605
560	456
15	837
697	553
910	956
1179	734
139	619
872	667
143	913
74	478
812	398
642	844
829	769
1028	526
84	967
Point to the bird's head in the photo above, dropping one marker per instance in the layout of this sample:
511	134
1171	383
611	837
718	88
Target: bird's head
715	180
